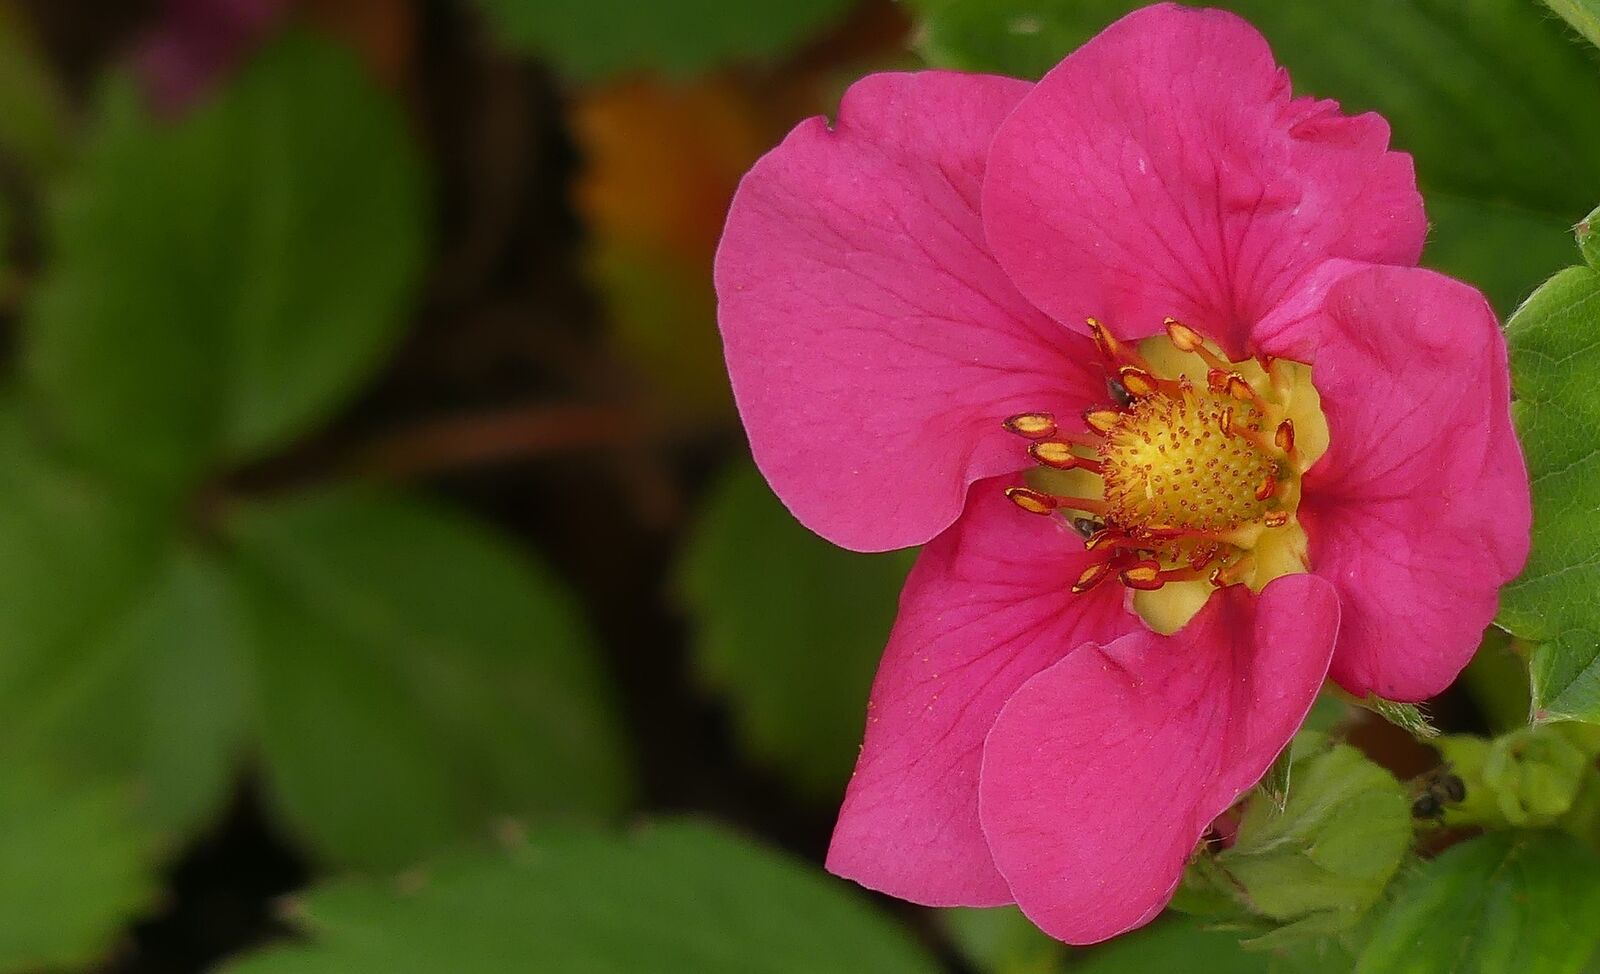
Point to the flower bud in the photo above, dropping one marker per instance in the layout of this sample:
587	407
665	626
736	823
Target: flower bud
1535	774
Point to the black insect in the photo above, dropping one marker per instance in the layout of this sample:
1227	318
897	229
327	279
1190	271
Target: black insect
1087	526
1436	790
1118	391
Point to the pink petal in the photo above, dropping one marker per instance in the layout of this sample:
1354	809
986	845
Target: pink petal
1163	169
873	343
1419	511
986	607
1103	772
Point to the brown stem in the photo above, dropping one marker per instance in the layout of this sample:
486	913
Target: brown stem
487	438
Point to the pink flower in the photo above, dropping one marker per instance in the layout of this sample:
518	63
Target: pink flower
1305	469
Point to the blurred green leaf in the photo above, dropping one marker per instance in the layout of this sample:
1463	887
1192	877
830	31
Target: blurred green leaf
1000	940
1490	96
114	654
1179	943
789	627
1583	15
1497	679
671	898
220	283
1505	901
589	39
664	316
73	868
155	688
34	115
1501	248
418	678
1555	353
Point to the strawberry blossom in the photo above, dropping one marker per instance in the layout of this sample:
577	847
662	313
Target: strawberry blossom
1141	356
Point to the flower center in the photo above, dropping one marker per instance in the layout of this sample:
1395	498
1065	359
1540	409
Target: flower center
1168	464
1189	481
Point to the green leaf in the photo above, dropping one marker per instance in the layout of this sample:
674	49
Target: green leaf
1587	233
789	627
1490	97
73	868
220	284
1500	247
114	651
33	110
1313	868
672	898
156	689
588	39
418	679
1497	679
1175	944
1555	352
1583	15
1000	940
1505	901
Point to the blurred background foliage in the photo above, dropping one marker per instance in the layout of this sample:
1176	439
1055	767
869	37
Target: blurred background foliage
385	586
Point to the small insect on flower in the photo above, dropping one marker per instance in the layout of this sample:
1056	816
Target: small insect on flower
1140	355
1435	791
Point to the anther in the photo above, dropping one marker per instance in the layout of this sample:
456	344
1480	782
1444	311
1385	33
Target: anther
1181	335
1052	454
1061	457
1225	421
1102	538
1275	519
1240	390
1186	339
1144	575
1276	375
1102	420
1034	426
1268	487
1032	501
1284	437
1092	576
1138	382
1113	350
1104	340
